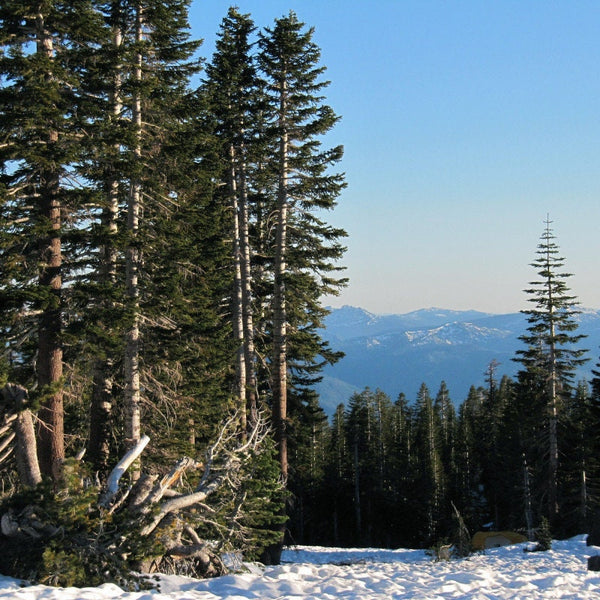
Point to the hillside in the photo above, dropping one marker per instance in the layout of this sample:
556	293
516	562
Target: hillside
397	353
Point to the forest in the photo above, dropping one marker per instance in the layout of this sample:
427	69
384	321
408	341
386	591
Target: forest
163	258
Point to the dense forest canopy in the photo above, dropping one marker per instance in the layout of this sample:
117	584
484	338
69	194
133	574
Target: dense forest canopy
163	256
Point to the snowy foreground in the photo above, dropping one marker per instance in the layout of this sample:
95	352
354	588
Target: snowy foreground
369	574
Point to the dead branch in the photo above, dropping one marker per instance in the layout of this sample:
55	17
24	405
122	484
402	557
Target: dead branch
6	454
178	504
9	419
230	452
7	442
112	485
181	466
141	491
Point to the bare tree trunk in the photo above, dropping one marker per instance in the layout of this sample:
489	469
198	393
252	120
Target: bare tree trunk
15	397
98	451
102	386
132	263
50	367
279	366
527	494
553	414
238	311
247	311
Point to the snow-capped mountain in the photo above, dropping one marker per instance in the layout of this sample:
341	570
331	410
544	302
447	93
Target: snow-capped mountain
396	353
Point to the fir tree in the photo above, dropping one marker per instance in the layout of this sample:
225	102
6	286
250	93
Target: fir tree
232	89
44	48
430	479
551	356
300	184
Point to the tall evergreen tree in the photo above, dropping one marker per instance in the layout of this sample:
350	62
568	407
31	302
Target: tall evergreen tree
301	184
430	479
233	92
41	107
551	355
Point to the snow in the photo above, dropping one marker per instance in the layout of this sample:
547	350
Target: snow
371	574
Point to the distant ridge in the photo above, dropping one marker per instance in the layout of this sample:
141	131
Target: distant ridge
398	352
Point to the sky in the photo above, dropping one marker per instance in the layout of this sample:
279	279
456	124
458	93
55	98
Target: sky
465	124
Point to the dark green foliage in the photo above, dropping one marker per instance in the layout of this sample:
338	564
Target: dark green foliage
77	549
543	536
549	361
70	123
264	515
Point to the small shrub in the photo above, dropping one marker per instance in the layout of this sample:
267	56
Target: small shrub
543	536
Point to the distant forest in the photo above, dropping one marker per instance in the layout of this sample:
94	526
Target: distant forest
517	454
163	256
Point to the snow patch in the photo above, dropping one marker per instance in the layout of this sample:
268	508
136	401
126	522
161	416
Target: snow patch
505	573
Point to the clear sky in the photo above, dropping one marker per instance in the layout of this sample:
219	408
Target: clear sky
464	125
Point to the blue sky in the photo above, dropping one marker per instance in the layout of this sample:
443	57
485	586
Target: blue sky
464	125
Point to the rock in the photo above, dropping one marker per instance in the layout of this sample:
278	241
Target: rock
594	563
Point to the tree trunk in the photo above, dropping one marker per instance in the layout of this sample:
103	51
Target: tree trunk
49	365
247	311
102	386
279	374
553	414
132	263
100	416
25	442
238	311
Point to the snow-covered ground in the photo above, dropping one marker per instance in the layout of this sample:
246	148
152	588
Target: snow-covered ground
371	574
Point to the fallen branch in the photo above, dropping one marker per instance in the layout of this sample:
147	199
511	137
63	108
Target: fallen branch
7	442
177	504
181	466
8	421
112	485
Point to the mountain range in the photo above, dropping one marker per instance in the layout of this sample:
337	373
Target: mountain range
397	353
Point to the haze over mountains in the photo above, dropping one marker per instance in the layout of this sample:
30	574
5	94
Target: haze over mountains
396	353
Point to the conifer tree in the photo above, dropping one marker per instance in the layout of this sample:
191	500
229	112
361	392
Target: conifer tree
446	414
301	183
402	467
551	355
43	49
233	91
467	480
338	479
576	474
430	479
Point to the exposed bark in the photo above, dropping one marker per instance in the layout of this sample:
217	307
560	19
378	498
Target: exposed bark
25	451
102	390
159	490
247	311
238	307
25	445
132	265
112	485
279	368
49	364
100	417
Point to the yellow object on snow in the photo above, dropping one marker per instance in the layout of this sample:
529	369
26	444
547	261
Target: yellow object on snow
493	539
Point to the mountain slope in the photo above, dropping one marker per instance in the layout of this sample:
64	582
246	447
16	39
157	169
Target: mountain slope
396	353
